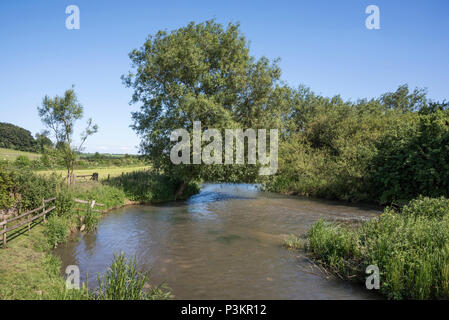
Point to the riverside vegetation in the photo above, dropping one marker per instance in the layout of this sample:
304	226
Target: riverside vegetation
30	271
410	247
388	150
391	150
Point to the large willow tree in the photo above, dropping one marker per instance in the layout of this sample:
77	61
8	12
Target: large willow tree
201	72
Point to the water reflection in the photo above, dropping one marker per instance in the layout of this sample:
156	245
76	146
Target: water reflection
224	243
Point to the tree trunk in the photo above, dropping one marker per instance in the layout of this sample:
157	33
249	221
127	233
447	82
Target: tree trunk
181	190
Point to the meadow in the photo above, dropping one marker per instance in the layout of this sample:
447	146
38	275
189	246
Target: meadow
103	173
11	155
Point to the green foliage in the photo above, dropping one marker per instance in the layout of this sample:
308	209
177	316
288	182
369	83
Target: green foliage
91	219
43	141
411	249
64	203
108	195
17	138
413	159
390	149
123	282
6	187
56	230
427	207
31	188
59	114
146	186
201	72
22	162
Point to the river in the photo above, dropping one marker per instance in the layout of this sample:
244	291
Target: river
224	243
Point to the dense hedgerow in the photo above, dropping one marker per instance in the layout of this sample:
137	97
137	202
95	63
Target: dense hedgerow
386	150
410	247
24	189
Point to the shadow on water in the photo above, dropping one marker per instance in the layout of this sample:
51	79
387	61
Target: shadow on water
223	243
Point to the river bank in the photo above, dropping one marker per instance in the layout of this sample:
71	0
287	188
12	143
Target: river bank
28	268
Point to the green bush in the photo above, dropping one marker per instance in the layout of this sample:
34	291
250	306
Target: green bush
413	159
27	187
22	161
145	186
6	187
64	203
56	230
411	249
427	207
123	282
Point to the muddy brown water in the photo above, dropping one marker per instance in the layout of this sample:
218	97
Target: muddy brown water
224	243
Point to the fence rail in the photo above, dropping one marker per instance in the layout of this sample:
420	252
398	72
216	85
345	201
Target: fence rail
91	205
30	217
28	221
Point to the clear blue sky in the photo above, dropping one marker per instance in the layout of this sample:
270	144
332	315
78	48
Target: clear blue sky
322	44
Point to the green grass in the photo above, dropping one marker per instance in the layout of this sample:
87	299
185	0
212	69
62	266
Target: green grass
103	173
11	155
27	269
122	281
410	248
293	242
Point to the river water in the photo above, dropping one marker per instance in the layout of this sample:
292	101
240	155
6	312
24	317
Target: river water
224	243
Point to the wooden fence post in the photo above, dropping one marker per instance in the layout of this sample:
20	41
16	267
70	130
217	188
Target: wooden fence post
43	208
4	233
29	224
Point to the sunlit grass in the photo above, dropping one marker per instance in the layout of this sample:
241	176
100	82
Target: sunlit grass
11	155
103	173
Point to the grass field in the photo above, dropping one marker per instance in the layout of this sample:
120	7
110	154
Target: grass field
11	155
102	172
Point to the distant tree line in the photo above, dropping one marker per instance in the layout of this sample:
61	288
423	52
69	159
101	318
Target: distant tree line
17	138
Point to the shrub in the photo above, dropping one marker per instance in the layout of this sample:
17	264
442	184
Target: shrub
6	187
22	161
28	187
147	186
427	207
56	230
64	203
413	160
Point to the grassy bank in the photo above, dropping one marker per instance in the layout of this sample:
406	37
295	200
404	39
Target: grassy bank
410	248
28	270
